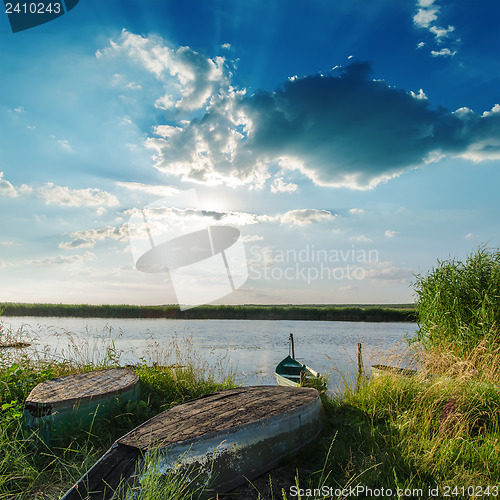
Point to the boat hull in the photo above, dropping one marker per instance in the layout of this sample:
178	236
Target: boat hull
384	370
237	455
225	456
65	403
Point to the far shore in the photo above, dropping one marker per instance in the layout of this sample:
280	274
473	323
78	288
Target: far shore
306	312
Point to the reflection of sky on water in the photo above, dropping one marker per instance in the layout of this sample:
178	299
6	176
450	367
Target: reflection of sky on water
251	348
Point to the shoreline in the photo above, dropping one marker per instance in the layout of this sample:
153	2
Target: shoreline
358	313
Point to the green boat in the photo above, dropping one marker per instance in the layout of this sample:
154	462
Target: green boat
293	373
290	372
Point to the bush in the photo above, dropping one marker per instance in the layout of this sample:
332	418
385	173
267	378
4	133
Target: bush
459	303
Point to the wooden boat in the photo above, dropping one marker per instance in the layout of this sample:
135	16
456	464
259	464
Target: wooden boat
75	400
226	438
14	345
379	370
292	373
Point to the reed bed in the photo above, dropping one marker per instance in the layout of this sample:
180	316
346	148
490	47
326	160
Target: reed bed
377	313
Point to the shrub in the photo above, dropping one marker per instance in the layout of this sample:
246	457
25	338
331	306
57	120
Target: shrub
458	303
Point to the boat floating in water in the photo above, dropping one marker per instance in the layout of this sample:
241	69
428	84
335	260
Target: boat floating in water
75	400
293	373
226	438
379	370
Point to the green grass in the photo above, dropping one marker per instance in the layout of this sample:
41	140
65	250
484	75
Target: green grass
389	433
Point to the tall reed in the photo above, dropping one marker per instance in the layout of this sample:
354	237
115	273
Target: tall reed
458	303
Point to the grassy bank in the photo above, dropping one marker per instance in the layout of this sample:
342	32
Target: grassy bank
390	313
33	469
412	434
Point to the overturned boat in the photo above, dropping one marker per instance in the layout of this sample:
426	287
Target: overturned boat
227	438
75	400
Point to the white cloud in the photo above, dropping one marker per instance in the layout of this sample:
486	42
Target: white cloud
313	124
119	233
495	109
356	211
250	238
440	33
390	234
189	78
90	197
7	189
62	260
87	238
424	17
156	190
52	194
60	195
120	80
280	186
420	95
360	239
303	217
388	272
64	143
77	243
425	3
443	53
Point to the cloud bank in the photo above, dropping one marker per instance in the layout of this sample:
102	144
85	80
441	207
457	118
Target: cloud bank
343	129
52	194
339	129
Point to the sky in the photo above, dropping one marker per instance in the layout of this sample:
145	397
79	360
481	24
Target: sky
353	145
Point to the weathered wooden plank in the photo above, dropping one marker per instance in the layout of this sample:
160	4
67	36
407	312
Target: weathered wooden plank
114	470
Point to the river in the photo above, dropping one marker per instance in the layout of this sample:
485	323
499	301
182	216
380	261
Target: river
250	348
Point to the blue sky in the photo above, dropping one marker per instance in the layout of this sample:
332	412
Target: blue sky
353	144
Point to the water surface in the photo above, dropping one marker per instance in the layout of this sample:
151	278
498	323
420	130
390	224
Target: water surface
252	348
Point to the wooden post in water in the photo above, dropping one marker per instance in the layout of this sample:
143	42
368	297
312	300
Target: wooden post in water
360	360
291	345
360	367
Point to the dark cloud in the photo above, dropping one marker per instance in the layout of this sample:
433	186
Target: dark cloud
340	129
